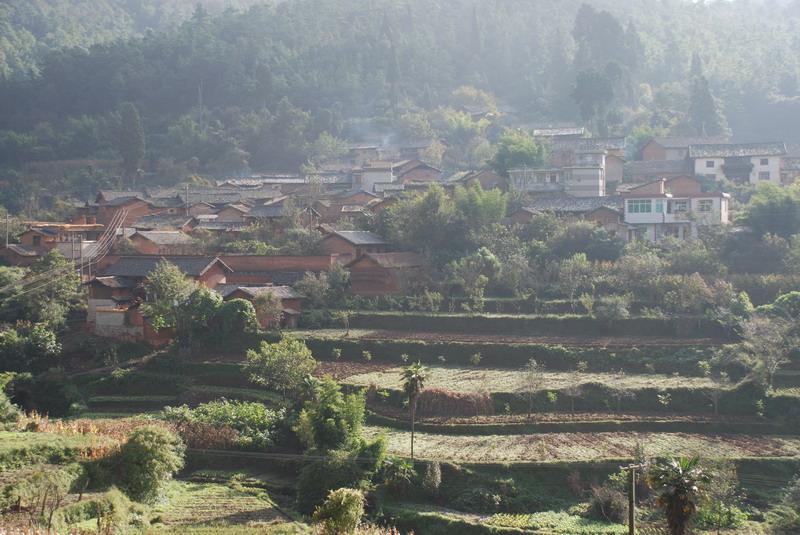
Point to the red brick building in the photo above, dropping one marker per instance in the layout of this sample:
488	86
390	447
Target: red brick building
375	274
163	242
351	244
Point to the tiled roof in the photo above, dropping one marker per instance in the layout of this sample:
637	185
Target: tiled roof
684	142
227	226
165	237
110	195
589	143
115	282
266	212
729	150
359	237
119	201
560	131
161	221
657	167
396	260
281	292
21	250
140	266
566	203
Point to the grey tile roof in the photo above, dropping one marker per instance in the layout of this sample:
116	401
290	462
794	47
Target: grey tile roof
728	150
140	266
359	237
115	282
161	221
656	167
684	142
265	212
281	292
559	131
566	203
110	195
166	237
21	250
589	143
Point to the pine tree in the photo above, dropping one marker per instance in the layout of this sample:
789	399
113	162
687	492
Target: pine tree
131	139
704	113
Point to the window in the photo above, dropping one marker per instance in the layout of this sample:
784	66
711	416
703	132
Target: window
37	240
640	206
763	175
764	161
705	205
710	164
553	178
659	206
677	207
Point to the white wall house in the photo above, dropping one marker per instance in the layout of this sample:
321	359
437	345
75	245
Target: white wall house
675	208
585	178
739	162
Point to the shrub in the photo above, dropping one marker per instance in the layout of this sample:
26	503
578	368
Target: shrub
8	411
341	512
612	308
432	480
253	424
51	393
331	420
281	366
440	402
398	475
148	460
608	504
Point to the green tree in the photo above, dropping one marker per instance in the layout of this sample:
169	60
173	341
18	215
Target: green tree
341	512
705	115
147	460
282	366
269	308
131	143
516	148
679	484
774	210
8	411
331	420
167	290
575	274
594	95
413	377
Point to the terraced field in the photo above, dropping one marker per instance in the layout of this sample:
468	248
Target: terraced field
480	379
582	446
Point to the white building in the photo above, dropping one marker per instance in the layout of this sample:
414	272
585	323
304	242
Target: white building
672	208
739	162
585	178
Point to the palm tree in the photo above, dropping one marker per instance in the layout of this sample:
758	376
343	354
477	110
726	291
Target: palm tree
414	376
678	483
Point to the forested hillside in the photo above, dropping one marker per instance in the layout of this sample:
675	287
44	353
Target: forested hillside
266	86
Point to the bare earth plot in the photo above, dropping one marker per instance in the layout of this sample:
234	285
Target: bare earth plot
472	379
583	446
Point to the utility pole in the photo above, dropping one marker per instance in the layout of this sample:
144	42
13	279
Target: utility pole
8	227
186	200
631	468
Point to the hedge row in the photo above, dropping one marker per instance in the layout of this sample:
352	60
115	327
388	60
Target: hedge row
745	400
666	360
603	426
539	325
431	523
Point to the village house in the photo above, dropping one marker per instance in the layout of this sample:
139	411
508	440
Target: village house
673	148
115	294
291	302
351	244
416	171
259	270
672	208
566	152
585	178
487	179
605	212
374	274
639	172
752	163
163	242
73	241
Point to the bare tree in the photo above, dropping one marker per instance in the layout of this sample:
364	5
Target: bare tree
532	382
720	383
769	341
575	387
